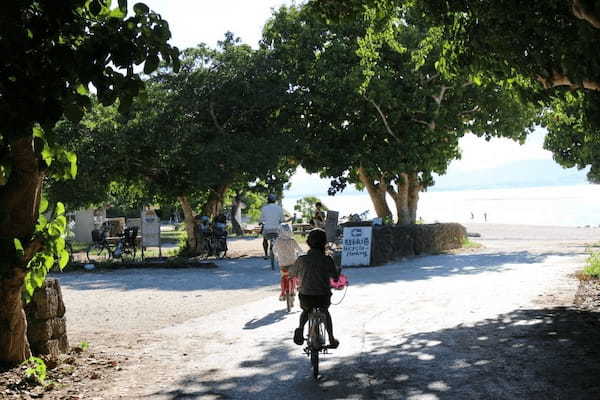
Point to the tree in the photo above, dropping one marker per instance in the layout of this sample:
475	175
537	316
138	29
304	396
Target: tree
402	127
552	50
196	135
52	53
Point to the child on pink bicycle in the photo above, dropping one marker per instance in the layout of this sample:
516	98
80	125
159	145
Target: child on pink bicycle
315	270
286	251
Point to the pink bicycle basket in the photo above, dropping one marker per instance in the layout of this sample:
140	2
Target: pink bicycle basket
341	283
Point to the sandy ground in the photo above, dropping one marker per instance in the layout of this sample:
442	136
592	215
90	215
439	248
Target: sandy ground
494	323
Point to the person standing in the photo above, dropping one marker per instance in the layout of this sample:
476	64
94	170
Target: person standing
319	217
271	216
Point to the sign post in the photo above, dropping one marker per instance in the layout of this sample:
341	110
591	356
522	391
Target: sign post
356	250
150	231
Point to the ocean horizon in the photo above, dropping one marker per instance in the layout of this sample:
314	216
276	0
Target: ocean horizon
570	205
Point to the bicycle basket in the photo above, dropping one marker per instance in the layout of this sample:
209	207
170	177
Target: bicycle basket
341	283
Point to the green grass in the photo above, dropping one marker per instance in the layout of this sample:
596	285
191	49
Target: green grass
592	266
172	236
469	244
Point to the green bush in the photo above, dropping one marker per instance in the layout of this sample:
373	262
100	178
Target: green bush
592	265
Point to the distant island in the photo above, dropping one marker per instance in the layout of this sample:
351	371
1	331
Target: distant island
518	174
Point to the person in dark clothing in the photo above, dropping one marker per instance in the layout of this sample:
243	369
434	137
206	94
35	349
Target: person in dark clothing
314	271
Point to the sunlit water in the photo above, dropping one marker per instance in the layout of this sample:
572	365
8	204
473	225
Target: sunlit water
552	205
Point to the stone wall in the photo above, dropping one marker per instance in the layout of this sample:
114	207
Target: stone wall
46	322
391	242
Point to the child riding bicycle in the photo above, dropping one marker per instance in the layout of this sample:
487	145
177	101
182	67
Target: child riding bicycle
315	269
286	251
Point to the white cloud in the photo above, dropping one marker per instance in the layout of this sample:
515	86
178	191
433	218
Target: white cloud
477	153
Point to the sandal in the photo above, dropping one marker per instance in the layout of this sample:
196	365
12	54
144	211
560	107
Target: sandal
298	337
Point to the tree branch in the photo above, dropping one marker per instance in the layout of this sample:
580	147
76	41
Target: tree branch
580	12
211	109
558	79
383	118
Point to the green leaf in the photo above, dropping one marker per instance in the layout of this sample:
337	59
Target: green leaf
117	13
38	277
63	259
82	89
140	9
151	64
19	247
54	230
43	205
38	131
59	245
47	155
42	222
60	209
48	263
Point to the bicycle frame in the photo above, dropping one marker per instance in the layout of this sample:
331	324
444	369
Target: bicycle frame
316	338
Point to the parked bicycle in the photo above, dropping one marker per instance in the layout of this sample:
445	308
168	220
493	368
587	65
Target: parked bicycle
213	238
126	246
101	249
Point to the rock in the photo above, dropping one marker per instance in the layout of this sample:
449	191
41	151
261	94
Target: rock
392	242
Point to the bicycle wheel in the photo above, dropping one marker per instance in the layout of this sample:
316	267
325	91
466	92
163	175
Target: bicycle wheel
271	255
314	361
128	254
221	250
98	252
289	299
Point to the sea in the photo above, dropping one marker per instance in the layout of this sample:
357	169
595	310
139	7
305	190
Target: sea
575	205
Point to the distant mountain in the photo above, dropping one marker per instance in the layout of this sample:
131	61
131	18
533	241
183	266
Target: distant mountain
516	174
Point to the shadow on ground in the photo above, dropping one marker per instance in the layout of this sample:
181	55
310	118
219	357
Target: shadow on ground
268	319
525	354
256	273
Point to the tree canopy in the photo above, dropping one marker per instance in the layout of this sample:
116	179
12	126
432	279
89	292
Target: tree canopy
391	135
52	54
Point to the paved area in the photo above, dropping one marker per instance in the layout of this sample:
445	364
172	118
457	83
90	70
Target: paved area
494	323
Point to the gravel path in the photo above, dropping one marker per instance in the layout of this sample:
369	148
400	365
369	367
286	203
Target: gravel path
491	323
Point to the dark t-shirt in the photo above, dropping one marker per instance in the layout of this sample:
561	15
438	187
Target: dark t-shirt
314	270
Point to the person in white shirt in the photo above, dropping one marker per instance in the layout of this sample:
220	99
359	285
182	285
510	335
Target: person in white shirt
271	215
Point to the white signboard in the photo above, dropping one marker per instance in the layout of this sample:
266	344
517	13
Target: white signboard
356	249
150	229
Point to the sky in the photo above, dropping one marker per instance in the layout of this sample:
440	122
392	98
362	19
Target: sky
196	21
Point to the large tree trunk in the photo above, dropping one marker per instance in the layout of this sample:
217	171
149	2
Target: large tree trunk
19	205
214	204
377	194
400	198
236	215
414	187
190	222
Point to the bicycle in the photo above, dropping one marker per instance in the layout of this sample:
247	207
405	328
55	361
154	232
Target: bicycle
316	338
126	246
271	237
289	290
99	249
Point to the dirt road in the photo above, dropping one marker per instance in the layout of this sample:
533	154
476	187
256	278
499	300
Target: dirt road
494	323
